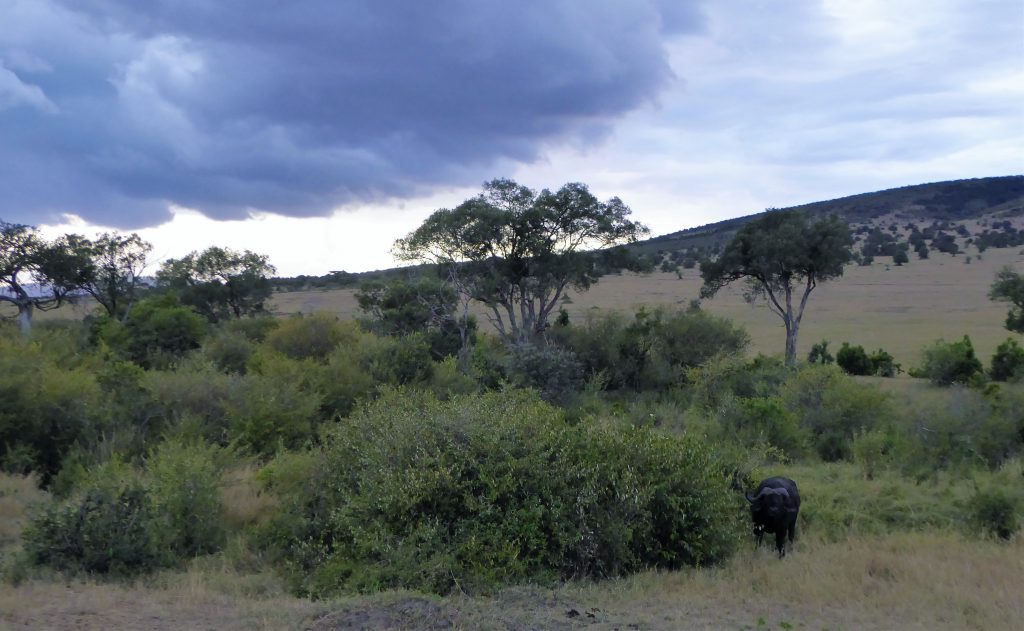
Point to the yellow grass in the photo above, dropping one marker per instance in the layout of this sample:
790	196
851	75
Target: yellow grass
902	581
901	309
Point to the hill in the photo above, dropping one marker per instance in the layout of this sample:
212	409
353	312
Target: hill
954	200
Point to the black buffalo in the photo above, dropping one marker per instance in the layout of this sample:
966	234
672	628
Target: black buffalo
774	508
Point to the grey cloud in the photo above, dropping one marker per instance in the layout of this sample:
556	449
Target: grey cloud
300	107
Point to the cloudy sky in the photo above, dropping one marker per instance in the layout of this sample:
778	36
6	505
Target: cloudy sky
319	131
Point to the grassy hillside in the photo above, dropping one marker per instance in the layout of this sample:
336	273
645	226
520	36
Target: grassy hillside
992	197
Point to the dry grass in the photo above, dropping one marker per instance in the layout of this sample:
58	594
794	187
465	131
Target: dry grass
243	502
900	309
902	581
19	497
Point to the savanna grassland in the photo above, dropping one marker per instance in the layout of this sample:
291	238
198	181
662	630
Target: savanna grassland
898	308
329	468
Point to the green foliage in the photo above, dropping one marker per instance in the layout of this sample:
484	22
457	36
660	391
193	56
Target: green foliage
833	409
45	408
186	504
1008	362
516	250
782	253
195	395
554	372
994	511
482	490
424	305
105	532
872	450
311	336
819	354
854	360
273	409
117	264
229	350
158	333
220	283
945	363
399	361
964	429
1009	287
763	421
884	365
651	352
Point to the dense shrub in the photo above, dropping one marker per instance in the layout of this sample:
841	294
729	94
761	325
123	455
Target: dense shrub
45	408
158	333
654	350
883	364
994	511
833	408
122	522
819	354
195	394
311	336
266	412
1008	362
186	503
412	492
552	371
229	351
398	360
763	420
945	363
105	531
854	360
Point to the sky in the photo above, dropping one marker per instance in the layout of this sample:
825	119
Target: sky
318	132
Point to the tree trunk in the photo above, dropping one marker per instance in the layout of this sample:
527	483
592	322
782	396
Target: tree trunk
25	318
792	328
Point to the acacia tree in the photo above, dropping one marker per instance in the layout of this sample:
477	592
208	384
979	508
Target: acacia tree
118	262
517	251
219	282
783	255
1009	286
40	274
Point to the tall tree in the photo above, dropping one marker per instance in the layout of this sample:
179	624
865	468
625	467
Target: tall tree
118	262
220	283
517	251
1009	286
40	274
783	255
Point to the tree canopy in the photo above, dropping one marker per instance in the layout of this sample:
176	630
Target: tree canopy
1009	286
783	255
117	264
220	283
40	274
516	250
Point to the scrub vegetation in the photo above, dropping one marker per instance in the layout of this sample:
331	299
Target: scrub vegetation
195	461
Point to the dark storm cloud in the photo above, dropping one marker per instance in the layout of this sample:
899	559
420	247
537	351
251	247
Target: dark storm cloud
113	109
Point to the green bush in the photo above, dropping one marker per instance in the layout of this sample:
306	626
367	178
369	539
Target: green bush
398	360
833	408
229	351
884	365
45	408
994	511
186	503
159	332
654	350
1008	362
552	371
819	354
763	420
482	490
854	360
194	393
311	336
266	412
946	363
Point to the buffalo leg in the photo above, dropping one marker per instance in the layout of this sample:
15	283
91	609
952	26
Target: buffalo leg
780	542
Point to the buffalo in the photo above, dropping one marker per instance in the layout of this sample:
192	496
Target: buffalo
774	508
